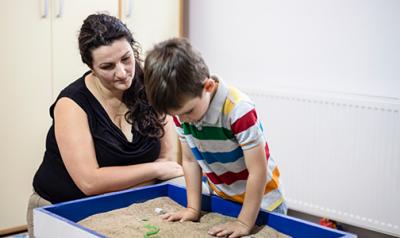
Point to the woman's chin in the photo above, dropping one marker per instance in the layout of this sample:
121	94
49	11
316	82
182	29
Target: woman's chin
123	84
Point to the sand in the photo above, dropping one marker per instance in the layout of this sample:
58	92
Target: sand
131	222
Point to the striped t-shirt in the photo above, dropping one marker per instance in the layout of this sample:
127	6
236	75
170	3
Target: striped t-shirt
230	126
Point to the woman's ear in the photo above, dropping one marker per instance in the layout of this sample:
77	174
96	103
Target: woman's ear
209	85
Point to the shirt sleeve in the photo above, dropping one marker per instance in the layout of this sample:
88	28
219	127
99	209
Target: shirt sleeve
246	126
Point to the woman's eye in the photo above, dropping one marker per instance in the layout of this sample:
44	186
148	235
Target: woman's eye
126	59
107	67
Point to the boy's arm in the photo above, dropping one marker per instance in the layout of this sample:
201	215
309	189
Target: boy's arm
193	174
256	164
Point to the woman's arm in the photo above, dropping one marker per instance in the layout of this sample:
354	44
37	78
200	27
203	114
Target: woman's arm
78	154
168	141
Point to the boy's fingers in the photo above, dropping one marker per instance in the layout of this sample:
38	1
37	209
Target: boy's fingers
222	233
165	216
214	230
234	235
173	217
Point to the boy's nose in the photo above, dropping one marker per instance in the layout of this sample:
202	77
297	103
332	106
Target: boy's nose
185	118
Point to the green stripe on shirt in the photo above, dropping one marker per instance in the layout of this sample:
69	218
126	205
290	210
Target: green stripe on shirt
207	133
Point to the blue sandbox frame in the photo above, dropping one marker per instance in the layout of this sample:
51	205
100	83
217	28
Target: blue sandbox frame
74	211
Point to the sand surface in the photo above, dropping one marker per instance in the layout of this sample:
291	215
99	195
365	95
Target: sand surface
131	222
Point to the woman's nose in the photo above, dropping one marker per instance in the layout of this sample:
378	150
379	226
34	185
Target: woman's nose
120	71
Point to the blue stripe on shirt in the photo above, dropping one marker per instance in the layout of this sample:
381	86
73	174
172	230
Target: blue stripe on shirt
221	157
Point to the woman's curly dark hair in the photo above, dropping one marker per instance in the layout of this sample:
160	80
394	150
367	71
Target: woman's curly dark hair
141	115
102	29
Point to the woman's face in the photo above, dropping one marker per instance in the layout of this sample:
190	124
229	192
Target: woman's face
114	65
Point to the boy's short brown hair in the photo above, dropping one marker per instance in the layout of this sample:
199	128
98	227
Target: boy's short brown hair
173	73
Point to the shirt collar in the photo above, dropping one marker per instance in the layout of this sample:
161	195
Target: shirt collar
217	103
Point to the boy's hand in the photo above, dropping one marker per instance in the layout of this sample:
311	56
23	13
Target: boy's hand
230	229
187	214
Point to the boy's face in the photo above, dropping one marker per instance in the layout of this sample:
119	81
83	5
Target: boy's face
195	108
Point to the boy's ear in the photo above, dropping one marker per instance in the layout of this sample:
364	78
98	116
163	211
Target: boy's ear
209	85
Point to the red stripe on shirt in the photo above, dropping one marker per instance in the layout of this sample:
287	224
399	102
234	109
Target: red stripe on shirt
228	177
266	150
176	121
245	122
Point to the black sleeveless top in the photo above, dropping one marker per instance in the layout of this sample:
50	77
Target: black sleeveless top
52	181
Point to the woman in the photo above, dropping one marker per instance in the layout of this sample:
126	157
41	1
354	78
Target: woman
105	136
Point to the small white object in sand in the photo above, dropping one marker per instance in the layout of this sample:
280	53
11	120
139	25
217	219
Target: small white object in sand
159	211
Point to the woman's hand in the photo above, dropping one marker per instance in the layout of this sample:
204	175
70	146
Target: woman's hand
168	169
230	229
187	214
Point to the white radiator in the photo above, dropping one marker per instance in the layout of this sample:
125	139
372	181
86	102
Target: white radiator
339	154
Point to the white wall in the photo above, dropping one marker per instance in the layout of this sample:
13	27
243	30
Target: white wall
349	46
325	75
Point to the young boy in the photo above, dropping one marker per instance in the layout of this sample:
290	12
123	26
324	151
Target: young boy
220	134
